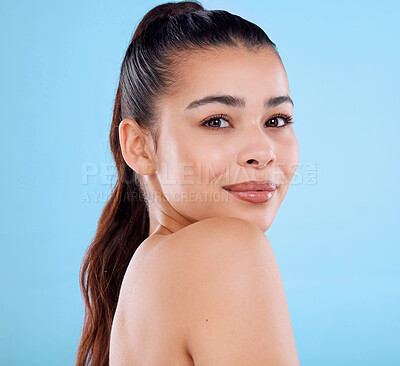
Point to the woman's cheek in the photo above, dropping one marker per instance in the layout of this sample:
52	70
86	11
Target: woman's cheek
288	158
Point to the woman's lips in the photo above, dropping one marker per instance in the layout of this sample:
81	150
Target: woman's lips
253	191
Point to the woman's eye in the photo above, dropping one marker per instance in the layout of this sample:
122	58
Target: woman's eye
276	123
215	122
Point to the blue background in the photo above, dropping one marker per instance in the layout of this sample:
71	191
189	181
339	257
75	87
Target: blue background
336	235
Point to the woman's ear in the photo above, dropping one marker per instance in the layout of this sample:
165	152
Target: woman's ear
135	147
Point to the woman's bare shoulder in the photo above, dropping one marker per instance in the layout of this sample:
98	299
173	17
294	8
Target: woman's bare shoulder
207	244
217	231
229	284
217	288
206	240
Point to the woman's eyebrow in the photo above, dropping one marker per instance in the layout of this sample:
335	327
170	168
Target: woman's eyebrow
240	102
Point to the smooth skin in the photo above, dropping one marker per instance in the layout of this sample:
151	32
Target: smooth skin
204	288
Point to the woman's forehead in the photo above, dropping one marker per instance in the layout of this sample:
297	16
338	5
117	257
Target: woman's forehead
227	59
234	71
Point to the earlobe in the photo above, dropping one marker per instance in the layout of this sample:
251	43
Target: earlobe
133	144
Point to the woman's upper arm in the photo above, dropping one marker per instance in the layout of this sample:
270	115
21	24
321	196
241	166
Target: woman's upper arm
235	306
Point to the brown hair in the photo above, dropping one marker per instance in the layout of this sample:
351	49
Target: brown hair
146	74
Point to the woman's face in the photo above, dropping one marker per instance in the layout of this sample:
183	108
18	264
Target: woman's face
242	141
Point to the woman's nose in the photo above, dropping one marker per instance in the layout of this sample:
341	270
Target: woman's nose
258	150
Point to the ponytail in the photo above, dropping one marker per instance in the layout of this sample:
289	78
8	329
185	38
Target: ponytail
147	72
123	225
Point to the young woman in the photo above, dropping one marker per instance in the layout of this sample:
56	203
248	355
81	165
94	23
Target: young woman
180	271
